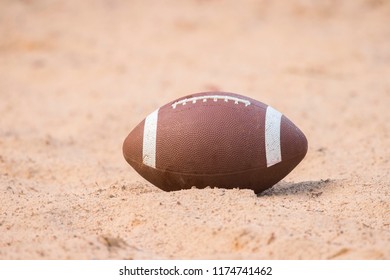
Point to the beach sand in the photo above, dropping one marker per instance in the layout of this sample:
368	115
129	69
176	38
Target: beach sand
77	76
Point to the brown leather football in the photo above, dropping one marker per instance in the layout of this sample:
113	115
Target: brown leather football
216	139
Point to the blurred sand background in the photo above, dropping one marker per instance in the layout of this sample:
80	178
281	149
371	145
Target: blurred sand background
77	76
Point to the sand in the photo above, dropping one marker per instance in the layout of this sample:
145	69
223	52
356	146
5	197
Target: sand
77	76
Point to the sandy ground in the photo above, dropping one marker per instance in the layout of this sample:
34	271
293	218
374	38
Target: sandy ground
77	76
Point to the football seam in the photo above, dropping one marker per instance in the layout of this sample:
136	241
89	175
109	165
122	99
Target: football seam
214	104
214	98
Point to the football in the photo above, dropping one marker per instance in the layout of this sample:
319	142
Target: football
215	139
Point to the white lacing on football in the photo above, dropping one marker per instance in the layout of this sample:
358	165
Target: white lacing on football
214	98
